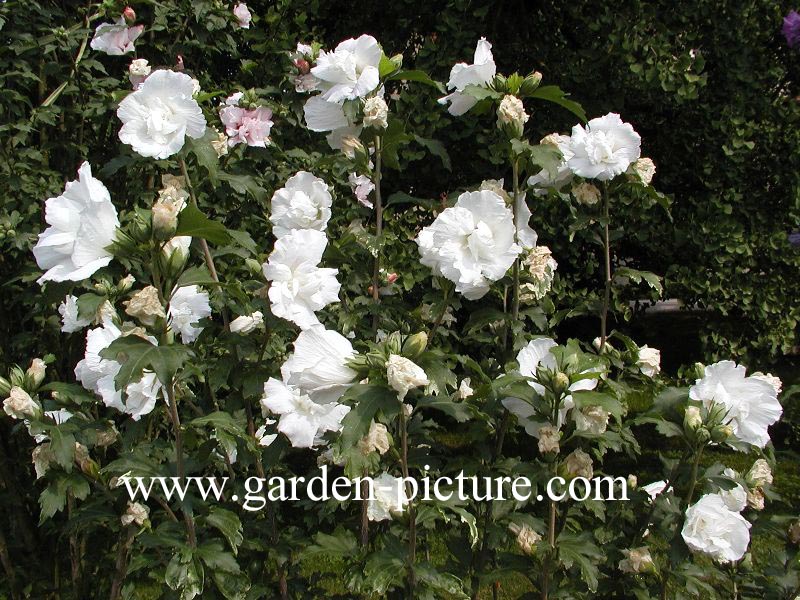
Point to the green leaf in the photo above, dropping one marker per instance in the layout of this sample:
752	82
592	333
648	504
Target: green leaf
196	276
204	152
417	76
341	543
136	354
369	399
580	550
394	137
653	280
244	240
460	411
194	223
386	66
228	524
244	184
436	148
403	198
553	93
480	92
63	447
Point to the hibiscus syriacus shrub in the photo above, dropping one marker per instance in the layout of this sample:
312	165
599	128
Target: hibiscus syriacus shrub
333	332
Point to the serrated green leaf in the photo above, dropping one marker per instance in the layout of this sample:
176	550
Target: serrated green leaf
194	223
228	523
136	355
553	93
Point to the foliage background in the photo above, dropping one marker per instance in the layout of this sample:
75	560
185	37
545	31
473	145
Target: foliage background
709	85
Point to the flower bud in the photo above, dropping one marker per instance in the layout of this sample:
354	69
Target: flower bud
530	83
125	284
5	386
633	481
352	145
415	344
35	373
129	15
720	433
393	342
692	419
702	435
560	383
302	65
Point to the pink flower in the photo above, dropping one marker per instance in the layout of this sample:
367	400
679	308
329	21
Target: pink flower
242	13
362	186
117	38
244	126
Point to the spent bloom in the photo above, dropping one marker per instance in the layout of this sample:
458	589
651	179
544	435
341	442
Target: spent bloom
145	306
549	437
462	75
300	287
376	440
302	420
591	419
526	537
135	513
751	404
404	375
637	560
649	361
586	193
318	365
157	117
138	71
605	148
242	14
115	38
464	389
83	222
644	169
472	243
376	113
304	202
714	529
579	464
42	458
388	498
19	404
759	474
362	187
247	323
541	266
187	306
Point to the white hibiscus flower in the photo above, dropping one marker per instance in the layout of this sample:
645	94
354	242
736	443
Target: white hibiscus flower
302	420
97	375
604	149
158	116
83	223
318	366
303	203
480	73
472	243
187	306
714	529
116	38
388	498
299	287
350	71
544	179
751	403
71	321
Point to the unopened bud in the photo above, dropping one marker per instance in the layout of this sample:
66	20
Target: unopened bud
560	383
692	419
35	373
702	435
530	83
415	344
302	65
5	386
720	433
129	15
